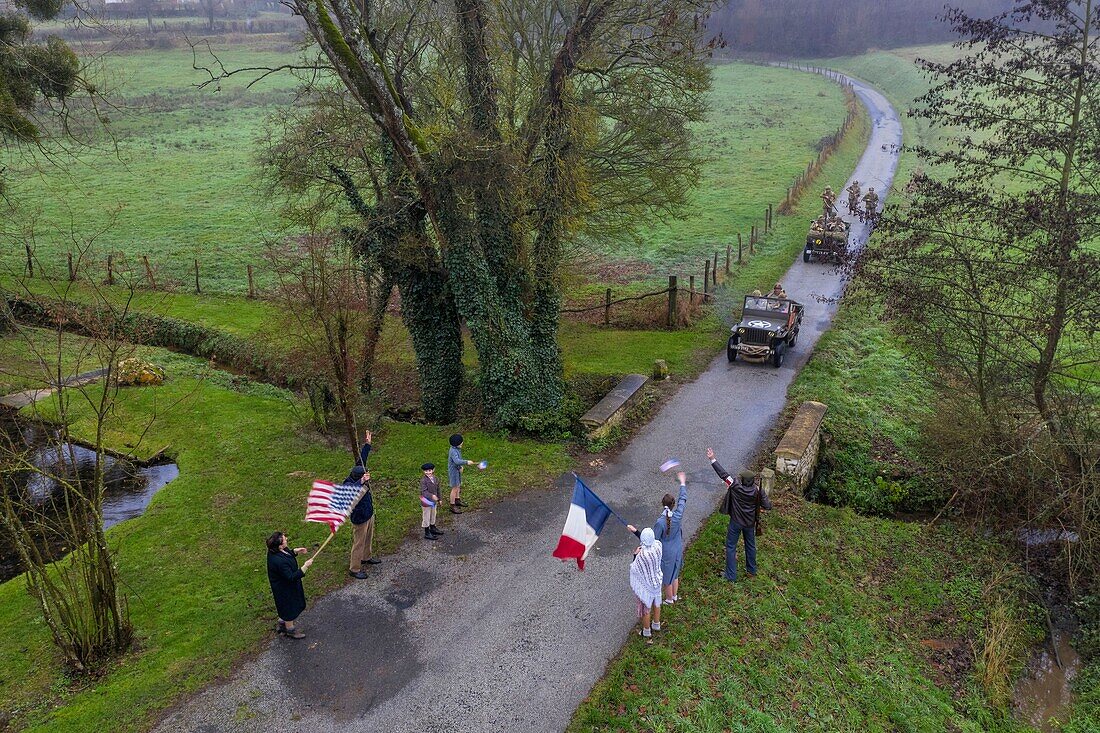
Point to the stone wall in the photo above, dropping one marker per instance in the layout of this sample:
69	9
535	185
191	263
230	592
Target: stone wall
797	453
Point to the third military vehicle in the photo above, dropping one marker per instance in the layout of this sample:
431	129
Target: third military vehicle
769	326
827	240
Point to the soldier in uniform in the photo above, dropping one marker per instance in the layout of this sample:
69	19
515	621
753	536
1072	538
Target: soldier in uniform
853	197
778	291
818	224
828	198
870	204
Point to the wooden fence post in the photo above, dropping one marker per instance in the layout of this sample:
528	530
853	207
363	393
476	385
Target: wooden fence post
672	315
706	277
752	240
251	287
149	272
739	249
72	270
607	308
728	259
30	259
197	288
714	271
771	217
691	291
110	270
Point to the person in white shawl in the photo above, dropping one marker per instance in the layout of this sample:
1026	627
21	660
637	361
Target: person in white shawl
645	581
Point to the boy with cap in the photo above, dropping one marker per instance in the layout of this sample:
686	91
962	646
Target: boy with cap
429	499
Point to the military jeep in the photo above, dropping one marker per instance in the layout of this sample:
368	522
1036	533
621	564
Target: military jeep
824	243
769	326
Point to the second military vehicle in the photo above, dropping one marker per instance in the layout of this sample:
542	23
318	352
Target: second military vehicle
827	240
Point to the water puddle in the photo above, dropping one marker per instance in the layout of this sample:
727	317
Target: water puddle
1042	697
128	488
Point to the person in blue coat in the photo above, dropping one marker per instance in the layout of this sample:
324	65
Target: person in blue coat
668	531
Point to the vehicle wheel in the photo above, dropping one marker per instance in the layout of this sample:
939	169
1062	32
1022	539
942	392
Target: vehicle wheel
790	340
805	256
731	349
777	355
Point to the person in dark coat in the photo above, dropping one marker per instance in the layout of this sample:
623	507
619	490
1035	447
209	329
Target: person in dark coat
286	583
744	499
362	522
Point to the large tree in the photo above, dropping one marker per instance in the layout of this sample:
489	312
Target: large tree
994	265
476	139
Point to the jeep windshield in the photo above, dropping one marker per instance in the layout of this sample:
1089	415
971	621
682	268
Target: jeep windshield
767	306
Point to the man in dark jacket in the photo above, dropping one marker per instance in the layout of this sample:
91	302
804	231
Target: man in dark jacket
744	499
362	522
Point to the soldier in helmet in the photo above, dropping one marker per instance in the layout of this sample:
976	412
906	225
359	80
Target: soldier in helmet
854	193
778	291
828	198
870	204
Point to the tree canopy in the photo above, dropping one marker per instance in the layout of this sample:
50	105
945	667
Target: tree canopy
474	140
30	71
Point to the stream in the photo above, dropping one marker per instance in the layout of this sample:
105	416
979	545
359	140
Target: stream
128	487
1044	692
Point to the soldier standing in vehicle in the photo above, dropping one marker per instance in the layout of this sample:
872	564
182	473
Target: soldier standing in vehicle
854	193
870	204
828	198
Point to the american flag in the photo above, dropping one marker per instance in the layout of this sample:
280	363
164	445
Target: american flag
331	503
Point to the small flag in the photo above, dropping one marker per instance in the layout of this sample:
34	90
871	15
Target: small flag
670	464
331	503
587	515
426	502
483	465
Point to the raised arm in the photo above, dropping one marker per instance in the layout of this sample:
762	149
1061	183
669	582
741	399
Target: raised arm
678	514
722	473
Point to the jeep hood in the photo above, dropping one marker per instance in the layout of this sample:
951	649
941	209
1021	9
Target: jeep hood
767	324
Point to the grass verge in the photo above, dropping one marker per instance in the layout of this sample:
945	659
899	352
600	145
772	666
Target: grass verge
853	624
193	563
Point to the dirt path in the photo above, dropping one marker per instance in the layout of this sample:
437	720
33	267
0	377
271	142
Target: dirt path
484	630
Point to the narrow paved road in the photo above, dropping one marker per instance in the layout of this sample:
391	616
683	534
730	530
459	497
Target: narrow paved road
484	630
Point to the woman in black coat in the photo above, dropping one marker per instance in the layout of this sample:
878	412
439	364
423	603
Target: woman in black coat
286	582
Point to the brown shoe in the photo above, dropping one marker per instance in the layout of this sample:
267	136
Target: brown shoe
294	634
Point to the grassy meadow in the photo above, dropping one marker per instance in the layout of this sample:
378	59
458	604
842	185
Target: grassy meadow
852	624
189	564
177	176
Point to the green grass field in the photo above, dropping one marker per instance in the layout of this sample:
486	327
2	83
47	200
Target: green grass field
180	179
852	624
587	348
192	564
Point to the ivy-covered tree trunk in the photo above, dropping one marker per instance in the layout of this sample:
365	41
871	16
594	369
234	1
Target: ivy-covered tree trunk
430	314
499	194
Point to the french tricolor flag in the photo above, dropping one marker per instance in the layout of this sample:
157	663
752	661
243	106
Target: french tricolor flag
587	515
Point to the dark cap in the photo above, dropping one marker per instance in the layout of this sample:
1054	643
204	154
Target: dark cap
427	466
456	440
747	477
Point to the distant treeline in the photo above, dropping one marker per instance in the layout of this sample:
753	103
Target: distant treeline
837	27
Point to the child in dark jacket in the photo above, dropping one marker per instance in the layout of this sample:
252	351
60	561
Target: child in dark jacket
429	501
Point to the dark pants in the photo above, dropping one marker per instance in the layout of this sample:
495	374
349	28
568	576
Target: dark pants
749	533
